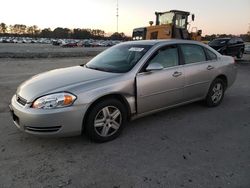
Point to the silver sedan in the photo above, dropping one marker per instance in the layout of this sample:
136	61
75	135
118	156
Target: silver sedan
124	82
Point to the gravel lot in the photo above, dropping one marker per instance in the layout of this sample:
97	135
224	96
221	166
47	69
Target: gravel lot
191	146
13	50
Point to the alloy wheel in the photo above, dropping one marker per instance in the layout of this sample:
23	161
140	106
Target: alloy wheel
217	92
107	121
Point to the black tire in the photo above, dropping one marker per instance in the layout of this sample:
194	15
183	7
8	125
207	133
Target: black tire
240	54
211	95
93	132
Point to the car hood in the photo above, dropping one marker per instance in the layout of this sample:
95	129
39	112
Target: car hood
53	80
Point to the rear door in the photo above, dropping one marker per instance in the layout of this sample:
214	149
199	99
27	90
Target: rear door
199	71
162	88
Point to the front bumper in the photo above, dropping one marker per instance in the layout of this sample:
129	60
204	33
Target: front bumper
48	122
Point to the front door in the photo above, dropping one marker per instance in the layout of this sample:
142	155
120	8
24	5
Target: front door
161	88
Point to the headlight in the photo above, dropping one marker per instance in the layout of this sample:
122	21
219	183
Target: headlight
56	100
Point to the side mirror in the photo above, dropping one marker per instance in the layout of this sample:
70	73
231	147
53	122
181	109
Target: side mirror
193	16
154	67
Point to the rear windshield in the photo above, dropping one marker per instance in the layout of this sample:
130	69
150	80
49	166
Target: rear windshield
218	42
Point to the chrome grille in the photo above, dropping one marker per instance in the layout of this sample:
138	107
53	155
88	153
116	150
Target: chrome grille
43	129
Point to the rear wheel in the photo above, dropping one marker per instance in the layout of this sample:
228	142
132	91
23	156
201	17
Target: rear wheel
215	93
105	120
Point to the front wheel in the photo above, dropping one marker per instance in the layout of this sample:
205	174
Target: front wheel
215	93
105	120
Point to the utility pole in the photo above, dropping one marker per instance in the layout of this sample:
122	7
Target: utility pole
117	16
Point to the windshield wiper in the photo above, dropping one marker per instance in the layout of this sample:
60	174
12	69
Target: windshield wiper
98	68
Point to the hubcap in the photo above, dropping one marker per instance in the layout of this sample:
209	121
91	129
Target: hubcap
217	92
107	121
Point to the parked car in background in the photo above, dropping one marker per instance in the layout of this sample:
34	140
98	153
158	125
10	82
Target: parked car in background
56	42
229	46
69	45
86	44
126	81
61	42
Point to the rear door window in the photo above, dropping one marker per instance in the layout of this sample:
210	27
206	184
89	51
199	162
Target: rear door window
192	53
239	40
210	55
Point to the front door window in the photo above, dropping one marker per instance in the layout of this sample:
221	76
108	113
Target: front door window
167	57
193	53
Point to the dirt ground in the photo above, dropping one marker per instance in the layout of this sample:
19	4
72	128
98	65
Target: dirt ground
13	50
190	146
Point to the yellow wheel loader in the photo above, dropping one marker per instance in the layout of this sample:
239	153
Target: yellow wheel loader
171	24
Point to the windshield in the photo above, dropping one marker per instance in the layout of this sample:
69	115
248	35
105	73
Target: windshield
119	59
166	18
218	42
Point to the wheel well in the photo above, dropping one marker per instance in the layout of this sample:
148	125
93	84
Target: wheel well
110	96
224	78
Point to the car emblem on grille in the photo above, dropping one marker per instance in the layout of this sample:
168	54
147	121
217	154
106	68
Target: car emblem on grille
20	100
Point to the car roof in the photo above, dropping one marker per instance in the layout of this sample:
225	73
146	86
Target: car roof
227	38
162	41
224	38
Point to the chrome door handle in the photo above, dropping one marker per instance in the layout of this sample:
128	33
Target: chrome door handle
209	67
176	74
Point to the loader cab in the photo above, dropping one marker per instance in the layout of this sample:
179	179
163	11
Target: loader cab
178	20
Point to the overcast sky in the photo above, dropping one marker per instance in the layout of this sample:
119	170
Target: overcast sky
212	16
